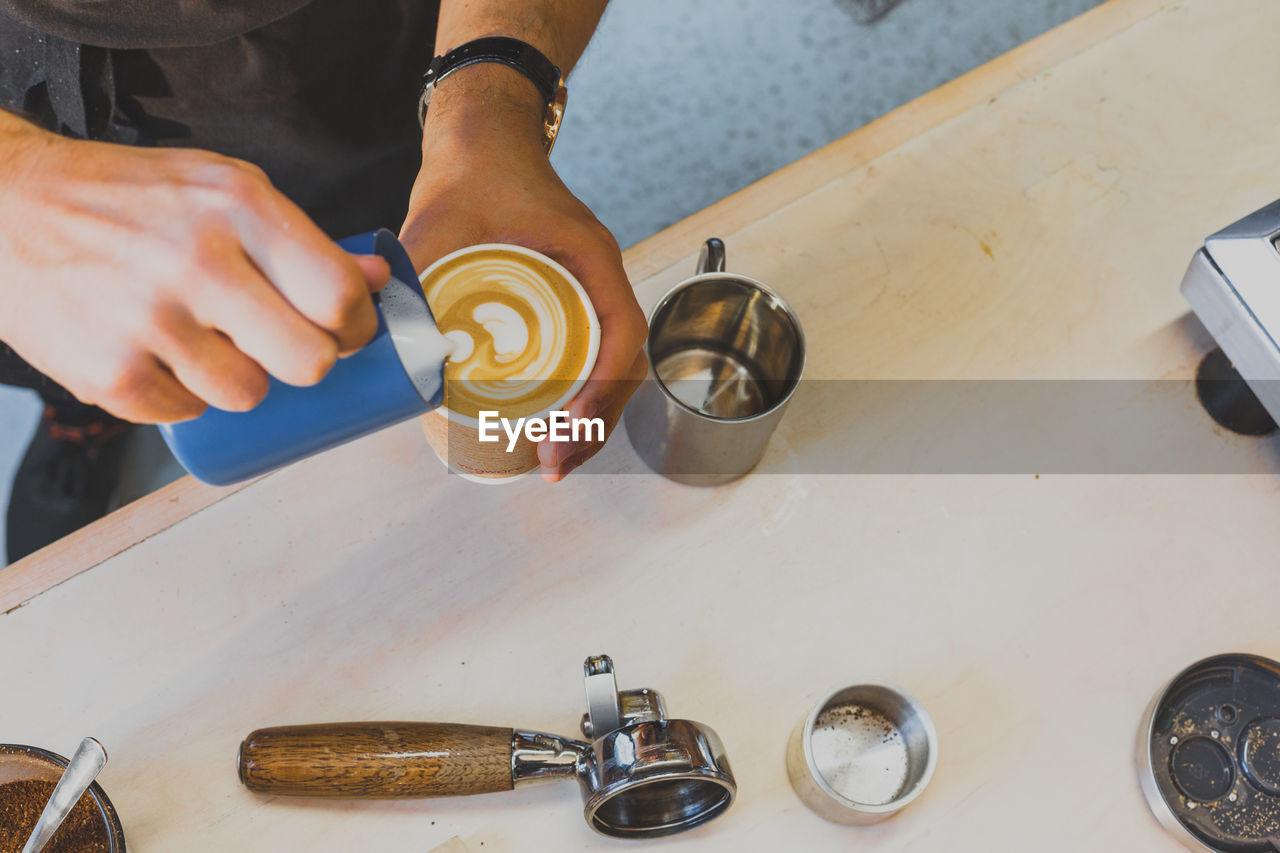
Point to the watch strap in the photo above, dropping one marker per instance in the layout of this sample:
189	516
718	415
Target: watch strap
525	58
513	53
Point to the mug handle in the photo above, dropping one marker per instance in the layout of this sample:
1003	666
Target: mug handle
711	259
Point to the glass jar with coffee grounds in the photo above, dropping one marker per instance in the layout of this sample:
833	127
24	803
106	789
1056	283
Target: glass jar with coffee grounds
22	802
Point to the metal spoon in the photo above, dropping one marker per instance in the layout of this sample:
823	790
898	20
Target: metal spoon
76	779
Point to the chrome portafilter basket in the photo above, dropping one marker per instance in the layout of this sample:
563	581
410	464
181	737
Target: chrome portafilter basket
641	774
646	775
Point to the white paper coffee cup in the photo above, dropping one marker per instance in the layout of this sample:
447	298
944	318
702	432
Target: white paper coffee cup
455	437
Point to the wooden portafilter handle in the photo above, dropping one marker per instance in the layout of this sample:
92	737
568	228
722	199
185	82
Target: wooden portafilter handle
377	760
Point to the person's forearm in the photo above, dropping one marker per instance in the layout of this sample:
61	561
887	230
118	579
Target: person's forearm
486	178
488	98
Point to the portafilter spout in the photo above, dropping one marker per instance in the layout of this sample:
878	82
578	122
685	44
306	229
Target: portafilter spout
643	777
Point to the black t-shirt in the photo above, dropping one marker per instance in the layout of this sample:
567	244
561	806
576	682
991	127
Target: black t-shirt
322	94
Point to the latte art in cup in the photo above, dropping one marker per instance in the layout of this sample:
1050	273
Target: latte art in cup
520	331
525	339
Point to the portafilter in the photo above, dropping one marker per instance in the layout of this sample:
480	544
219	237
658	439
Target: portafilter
642	775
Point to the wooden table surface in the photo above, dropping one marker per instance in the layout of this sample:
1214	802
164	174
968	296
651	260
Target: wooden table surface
1030	220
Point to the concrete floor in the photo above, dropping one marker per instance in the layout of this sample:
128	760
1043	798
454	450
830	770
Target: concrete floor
679	103
676	104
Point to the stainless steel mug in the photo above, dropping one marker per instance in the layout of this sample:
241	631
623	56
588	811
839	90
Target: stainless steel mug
726	354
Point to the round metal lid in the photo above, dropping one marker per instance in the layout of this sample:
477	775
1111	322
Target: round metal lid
1211	755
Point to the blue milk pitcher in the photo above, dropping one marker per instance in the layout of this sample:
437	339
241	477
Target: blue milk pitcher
397	375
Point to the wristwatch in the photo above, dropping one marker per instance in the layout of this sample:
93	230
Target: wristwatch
513	53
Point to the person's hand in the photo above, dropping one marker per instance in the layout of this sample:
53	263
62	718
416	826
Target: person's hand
486	179
152	282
